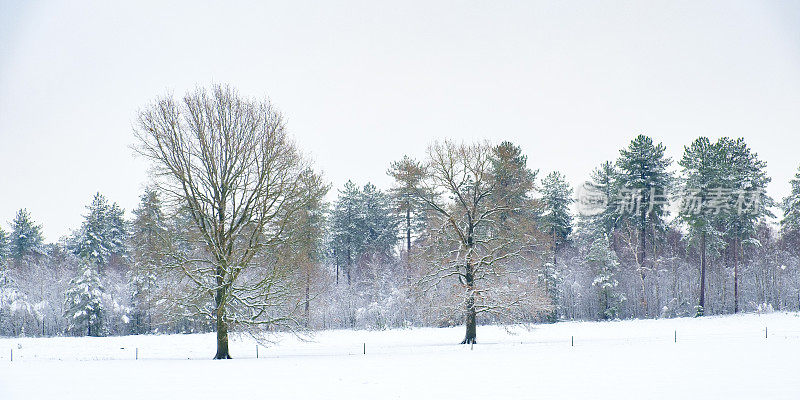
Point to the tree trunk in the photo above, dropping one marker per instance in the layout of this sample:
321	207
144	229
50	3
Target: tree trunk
469	278
701	309
735	276
469	337
222	336
408	230
308	298
471	334
222	325
641	256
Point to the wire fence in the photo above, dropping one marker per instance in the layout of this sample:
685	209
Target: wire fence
32	352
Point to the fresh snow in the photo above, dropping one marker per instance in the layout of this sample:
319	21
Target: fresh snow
714	358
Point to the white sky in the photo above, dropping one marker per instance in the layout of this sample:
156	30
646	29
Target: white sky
363	83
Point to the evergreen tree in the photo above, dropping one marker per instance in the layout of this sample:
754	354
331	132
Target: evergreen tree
701	179
307	251
514	181
26	237
604	181
4	248
724	201
346	243
644	181
116	231
363	223
83	307
745	180
556	200
102	234
791	207
603	262
378	221
148	237
407	174
557	221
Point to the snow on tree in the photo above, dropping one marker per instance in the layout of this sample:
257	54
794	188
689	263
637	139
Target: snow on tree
791	206
491	258
83	307
26	237
603	261
149	233
229	161
604	180
102	234
745	180
644	182
557	221
407	173
363	224
724	198
4	249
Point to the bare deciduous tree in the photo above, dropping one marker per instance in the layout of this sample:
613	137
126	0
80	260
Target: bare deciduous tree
228	162
478	238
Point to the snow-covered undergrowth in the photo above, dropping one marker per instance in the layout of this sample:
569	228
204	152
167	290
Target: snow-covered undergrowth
732	357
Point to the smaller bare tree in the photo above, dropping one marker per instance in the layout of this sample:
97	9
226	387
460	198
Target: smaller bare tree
480	239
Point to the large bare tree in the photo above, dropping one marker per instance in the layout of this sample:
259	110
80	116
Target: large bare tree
488	243
227	161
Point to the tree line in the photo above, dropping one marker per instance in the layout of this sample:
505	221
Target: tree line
238	232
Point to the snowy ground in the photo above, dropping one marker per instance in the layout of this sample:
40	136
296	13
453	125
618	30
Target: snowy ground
714	358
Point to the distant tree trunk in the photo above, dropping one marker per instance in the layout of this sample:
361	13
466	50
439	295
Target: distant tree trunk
701	311
336	262
554	247
408	230
349	265
735	276
641	256
308	298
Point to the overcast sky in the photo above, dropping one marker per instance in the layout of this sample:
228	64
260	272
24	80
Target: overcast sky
363	83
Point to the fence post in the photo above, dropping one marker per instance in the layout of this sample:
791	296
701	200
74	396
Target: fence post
676	336
137	353
256	351
572	341
12	354
365	348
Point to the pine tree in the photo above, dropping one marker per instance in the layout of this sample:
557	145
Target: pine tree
644	181
148	236
701	179
4	249
116	231
557	221
791	207
725	200
26	237
407	174
556	199
83	307
604	181
102	234
378	222
745	180
603	262
346	241
363	223
514	181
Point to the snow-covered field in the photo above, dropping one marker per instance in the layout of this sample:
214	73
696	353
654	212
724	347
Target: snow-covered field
714	358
